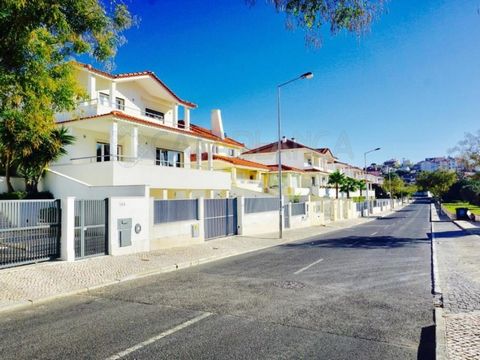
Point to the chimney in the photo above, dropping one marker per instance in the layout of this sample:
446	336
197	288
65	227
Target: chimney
217	124
293	139
284	139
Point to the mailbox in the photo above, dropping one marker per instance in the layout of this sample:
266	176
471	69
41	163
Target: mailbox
124	228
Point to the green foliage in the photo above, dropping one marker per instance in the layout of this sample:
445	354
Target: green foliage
312	15
467	190
336	179
349	185
437	182
14	195
394	185
37	42
33	165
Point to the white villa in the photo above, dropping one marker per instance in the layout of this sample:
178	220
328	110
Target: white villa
305	169
129	134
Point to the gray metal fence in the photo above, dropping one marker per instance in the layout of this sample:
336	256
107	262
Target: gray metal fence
220	217
91	230
29	231
256	205
165	211
299	208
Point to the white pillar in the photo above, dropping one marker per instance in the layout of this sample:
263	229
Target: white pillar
210	156
175	115
199	155
113	94
67	242
92	87
113	141
201	217
289	180
234	175
134	143
240	214
186	157
186	119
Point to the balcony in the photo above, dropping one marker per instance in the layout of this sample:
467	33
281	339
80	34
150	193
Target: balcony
136	171
254	185
99	107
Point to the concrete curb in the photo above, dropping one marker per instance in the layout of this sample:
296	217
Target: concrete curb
468	230
440	335
24	304
440	330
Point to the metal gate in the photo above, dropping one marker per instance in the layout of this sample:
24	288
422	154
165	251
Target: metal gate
29	231
286	216
220	218
91	229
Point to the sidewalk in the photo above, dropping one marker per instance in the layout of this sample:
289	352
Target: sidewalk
36	283
458	278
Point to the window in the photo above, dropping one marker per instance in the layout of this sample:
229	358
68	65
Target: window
154	114
231	152
215	149
309	162
103	151
120	104
164	157
314	181
104	99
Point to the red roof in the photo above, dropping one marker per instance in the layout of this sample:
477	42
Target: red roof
231	160
201	131
274	168
135	74
131	118
287	144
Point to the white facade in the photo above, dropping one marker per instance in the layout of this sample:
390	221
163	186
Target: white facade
129	133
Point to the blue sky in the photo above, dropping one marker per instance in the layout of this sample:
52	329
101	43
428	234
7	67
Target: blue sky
411	85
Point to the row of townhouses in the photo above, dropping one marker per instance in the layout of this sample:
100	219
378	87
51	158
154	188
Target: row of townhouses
130	140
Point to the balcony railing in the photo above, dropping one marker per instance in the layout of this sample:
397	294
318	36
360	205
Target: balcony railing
136	160
99	106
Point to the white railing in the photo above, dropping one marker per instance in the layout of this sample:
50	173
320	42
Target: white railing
99	107
135	160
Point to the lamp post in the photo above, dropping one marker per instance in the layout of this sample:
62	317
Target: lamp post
366	181
307	76
390	183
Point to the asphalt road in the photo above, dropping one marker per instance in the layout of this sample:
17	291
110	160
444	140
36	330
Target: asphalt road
358	293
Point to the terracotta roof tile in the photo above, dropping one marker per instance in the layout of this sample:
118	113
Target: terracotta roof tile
232	160
274	168
122	115
288	144
135	74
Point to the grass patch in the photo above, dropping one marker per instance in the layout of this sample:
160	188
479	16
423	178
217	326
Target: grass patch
452	206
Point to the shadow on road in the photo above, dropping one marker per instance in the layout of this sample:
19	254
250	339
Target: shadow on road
426	348
450	234
361	242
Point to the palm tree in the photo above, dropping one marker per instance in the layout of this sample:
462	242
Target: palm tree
349	185
32	166
336	178
361	185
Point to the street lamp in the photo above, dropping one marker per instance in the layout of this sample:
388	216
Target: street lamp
390	183
366	181
307	76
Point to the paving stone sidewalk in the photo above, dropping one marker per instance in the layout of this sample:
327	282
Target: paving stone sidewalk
458	254
31	284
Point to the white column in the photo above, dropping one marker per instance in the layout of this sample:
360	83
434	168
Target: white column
201	217
134	143
92	87
113	94
234	175
186	119
67	242
199	155
175	115
210	156
186	157
289	180
240	214
113	141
